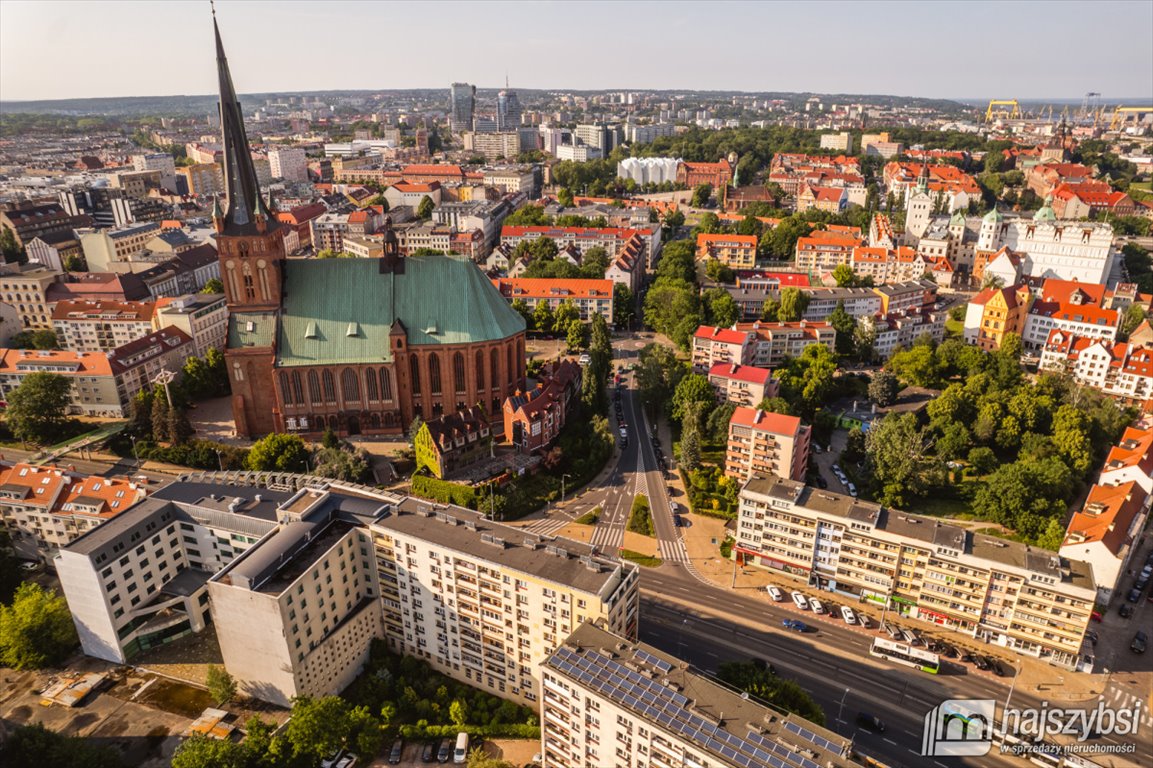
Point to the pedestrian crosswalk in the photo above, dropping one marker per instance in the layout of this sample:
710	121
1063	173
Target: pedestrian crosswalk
1119	699
547	526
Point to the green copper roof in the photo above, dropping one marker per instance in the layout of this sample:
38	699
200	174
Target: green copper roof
958	218
251	329
341	310
993	215
1045	212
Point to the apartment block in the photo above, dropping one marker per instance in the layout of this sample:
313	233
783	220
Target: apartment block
716	346
590	297
611	703
289	163
742	384
761	344
1104	532
767	443
202	178
1118	368
45	508
105	247
612	239
735	251
487	603
25	287
203	316
103	383
1029	600
296	615
141	579
825	250
101	326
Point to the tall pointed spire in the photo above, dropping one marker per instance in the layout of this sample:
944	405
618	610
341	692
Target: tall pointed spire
240	183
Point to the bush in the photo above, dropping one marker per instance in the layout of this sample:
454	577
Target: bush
641	517
590	517
711	493
197	454
428	487
648	561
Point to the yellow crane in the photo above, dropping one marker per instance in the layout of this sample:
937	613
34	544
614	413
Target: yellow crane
1009	108
1122	115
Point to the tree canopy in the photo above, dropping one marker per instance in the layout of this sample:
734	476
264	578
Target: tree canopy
38	408
278	452
36	629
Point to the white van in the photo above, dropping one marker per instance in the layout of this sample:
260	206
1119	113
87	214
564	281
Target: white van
775	593
460	754
848	615
801	601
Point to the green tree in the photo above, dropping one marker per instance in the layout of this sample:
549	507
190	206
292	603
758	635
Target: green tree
214	285
916	366
10	250
982	460
670	223
793	305
521	307
41	339
1133	317
658	373
771	311
575	335
691	450
28	746
701	195
594	262
36	629
776	405
1053	537
671	308
37	408
759	682
564	196
159	416
693	388
719	272
318	727
199	751
278	452
221	685
721	308
806	380
458	713
717	425
901	457
623	305
564	315
542	317
640	516
1071	438
1025	495
342	463
846	328
179	428
424	209
844	275
883	388
780	242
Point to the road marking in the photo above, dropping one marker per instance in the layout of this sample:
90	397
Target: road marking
890	741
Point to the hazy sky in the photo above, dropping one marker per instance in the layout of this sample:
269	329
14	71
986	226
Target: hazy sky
53	49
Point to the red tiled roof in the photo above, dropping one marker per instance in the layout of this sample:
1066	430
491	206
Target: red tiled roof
723	335
1108	514
553	288
748	373
721	238
763	421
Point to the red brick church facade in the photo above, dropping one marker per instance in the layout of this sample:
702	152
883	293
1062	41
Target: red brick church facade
270	395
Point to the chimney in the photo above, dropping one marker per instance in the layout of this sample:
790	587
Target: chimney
760	415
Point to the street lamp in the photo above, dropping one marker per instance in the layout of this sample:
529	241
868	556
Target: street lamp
219	461
841	708
562	479
135	455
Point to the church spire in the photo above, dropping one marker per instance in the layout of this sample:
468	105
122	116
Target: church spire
244	202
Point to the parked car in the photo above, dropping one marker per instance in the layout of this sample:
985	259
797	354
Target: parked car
428	752
893	632
848	615
1140	641
968	658
800	600
863	620
775	593
796	626
1134	595
1126	610
948	650
444	751
852	489
1091	635
816	606
870	722
981	662
1096	616
396	752
909	636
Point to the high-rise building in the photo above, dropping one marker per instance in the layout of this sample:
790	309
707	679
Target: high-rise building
290	164
508	111
462	105
158	161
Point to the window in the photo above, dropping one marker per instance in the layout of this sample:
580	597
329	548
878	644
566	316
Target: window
479	370
285	389
370	389
349	386
313	387
329	387
511	371
385	384
434	374
414	374
494	369
297	390
458	371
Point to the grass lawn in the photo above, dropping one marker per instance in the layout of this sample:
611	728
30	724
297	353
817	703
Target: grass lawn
643	560
954	328
590	517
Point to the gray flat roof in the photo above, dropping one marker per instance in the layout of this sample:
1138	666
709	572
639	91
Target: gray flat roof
561	560
695	708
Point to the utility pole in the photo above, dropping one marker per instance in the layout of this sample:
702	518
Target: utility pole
562	479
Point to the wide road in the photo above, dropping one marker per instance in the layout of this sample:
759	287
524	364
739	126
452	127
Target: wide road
684	617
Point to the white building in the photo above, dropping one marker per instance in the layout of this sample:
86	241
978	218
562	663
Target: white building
648	170
579	153
1116	368
203	316
1105	533
1068	250
487	603
289	163
158	161
606	701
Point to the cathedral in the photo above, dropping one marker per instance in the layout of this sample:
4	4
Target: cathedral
359	346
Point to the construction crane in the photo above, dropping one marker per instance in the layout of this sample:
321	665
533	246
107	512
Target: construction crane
1009	108
1122	115
1089	105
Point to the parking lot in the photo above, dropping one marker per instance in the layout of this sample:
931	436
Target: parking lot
519	752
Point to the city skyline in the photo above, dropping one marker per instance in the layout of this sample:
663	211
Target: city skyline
792	64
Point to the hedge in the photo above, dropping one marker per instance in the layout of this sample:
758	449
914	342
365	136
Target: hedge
504	731
641	518
591	517
648	561
443	491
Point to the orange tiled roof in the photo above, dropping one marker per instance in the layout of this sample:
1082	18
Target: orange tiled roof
723	335
748	373
763	421
552	288
1107	515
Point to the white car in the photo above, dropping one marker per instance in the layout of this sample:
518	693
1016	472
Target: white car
848	615
624	432
776	594
801	601
584	360
816	606
863	620
852	489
